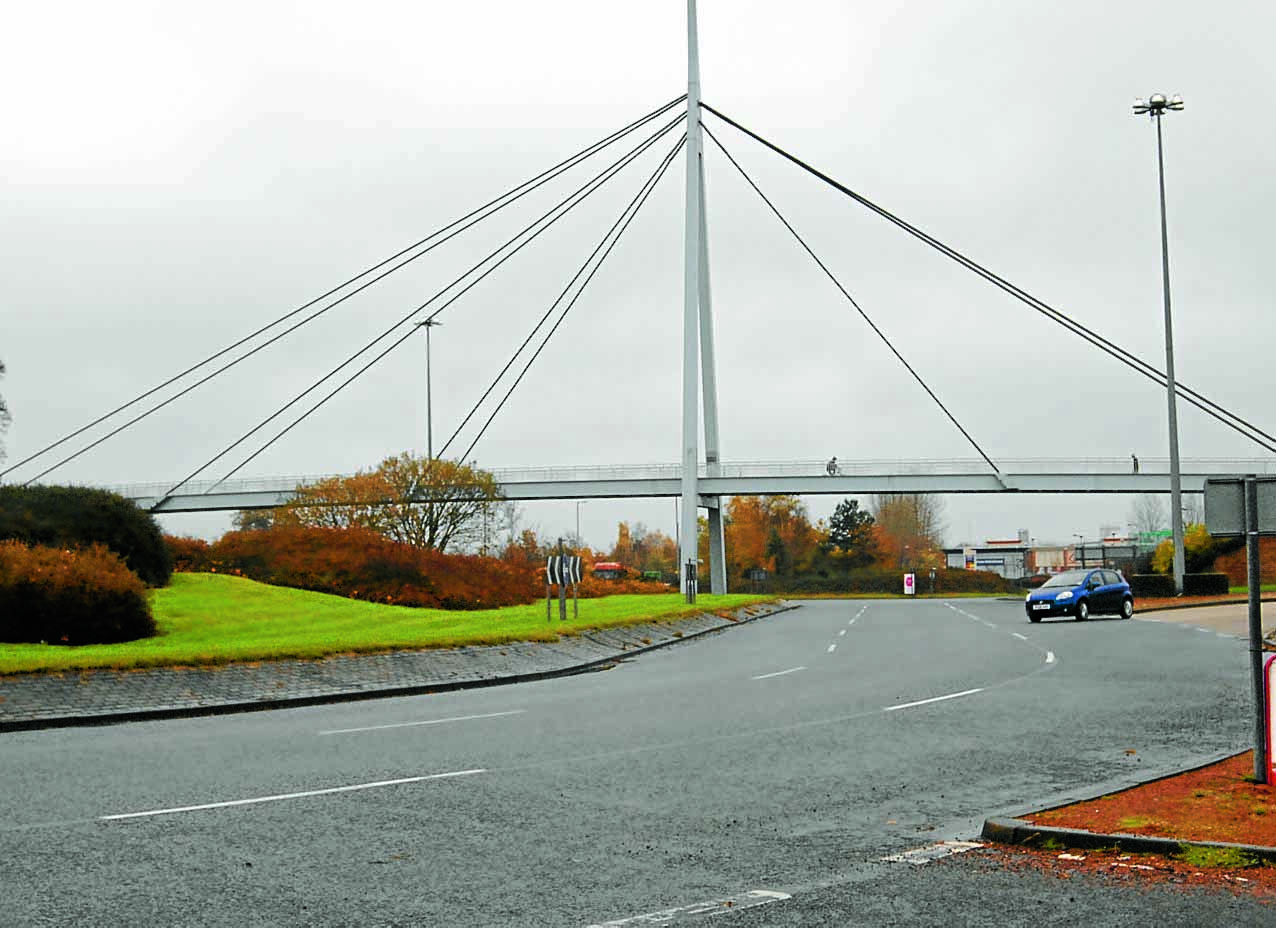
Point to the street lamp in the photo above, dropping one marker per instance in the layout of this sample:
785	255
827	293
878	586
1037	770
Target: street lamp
1154	107
579	503
428	324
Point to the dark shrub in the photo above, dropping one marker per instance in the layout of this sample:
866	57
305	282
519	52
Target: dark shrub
77	517
70	597
1205	585
1152	585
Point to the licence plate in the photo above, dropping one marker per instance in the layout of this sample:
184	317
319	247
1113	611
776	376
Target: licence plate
1040	605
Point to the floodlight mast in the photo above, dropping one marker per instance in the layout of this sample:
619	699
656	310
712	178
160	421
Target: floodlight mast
1154	107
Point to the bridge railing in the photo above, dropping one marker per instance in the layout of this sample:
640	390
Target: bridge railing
746	469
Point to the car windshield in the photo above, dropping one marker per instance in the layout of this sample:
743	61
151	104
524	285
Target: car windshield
1071	578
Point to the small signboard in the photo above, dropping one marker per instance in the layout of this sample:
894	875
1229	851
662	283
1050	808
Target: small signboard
910	583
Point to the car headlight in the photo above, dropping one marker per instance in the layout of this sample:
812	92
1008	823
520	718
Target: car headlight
1066	594
1028	598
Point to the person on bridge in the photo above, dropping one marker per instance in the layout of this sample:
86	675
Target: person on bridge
831	467
1135	459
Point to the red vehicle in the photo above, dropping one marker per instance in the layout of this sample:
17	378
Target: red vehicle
610	570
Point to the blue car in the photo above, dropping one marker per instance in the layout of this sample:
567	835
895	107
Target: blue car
1081	593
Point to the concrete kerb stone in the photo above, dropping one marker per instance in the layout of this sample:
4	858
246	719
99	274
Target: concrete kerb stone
1013	830
582	652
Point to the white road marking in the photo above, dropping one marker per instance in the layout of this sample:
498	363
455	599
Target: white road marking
778	673
1049	657
458	718
925	702
832	647
1019	636
282	796
753	897
841	633
924	855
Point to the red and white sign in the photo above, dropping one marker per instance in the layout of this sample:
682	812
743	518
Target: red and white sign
1269	678
910	584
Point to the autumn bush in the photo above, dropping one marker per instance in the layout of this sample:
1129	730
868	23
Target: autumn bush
77	517
189	555
362	564
70	597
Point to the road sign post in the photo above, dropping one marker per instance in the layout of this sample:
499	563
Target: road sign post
1247	506
562	570
1268	673
910	583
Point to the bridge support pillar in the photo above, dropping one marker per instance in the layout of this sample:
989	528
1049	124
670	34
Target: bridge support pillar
717	550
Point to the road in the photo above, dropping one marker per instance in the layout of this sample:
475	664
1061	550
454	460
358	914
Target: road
772	767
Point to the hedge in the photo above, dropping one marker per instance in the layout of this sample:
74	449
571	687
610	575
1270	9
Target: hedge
877	580
1162	585
78	517
69	597
361	564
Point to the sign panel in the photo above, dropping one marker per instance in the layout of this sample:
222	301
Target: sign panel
1225	505
1269	678
909	583
564	569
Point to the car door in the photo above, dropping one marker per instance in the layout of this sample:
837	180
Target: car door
1108	598
1094	592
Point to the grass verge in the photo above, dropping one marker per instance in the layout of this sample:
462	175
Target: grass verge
216	619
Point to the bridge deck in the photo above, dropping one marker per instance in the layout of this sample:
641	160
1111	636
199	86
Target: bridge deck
761	478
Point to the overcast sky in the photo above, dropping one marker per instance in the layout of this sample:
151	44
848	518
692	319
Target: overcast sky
174	175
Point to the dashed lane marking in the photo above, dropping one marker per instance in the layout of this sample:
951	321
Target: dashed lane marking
1049	657
832	647
752	898
778	673
841	633
282	796
1019	636
926	702
924	855
458	718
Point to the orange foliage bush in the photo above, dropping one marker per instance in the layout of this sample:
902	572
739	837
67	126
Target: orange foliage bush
70	597
361	564
189	554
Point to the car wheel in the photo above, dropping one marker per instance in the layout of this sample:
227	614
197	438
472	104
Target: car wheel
1083	611
1127	608
1033	617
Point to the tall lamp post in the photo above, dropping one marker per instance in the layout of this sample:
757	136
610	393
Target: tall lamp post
1155	106
579	503
428	324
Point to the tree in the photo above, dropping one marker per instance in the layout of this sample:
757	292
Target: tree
413	500
774	532
1148	513
850	530
909	529
1199	551
5	418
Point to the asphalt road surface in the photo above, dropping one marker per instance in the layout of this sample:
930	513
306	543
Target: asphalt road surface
760	775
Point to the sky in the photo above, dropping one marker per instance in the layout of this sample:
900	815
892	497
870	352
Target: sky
173	176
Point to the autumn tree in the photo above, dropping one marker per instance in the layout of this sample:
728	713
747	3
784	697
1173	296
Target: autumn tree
909	529
1199	551
774	532
850	530
413	500
643	549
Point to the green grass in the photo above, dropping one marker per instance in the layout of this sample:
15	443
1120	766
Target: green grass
1244	590
1226	858
216	619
